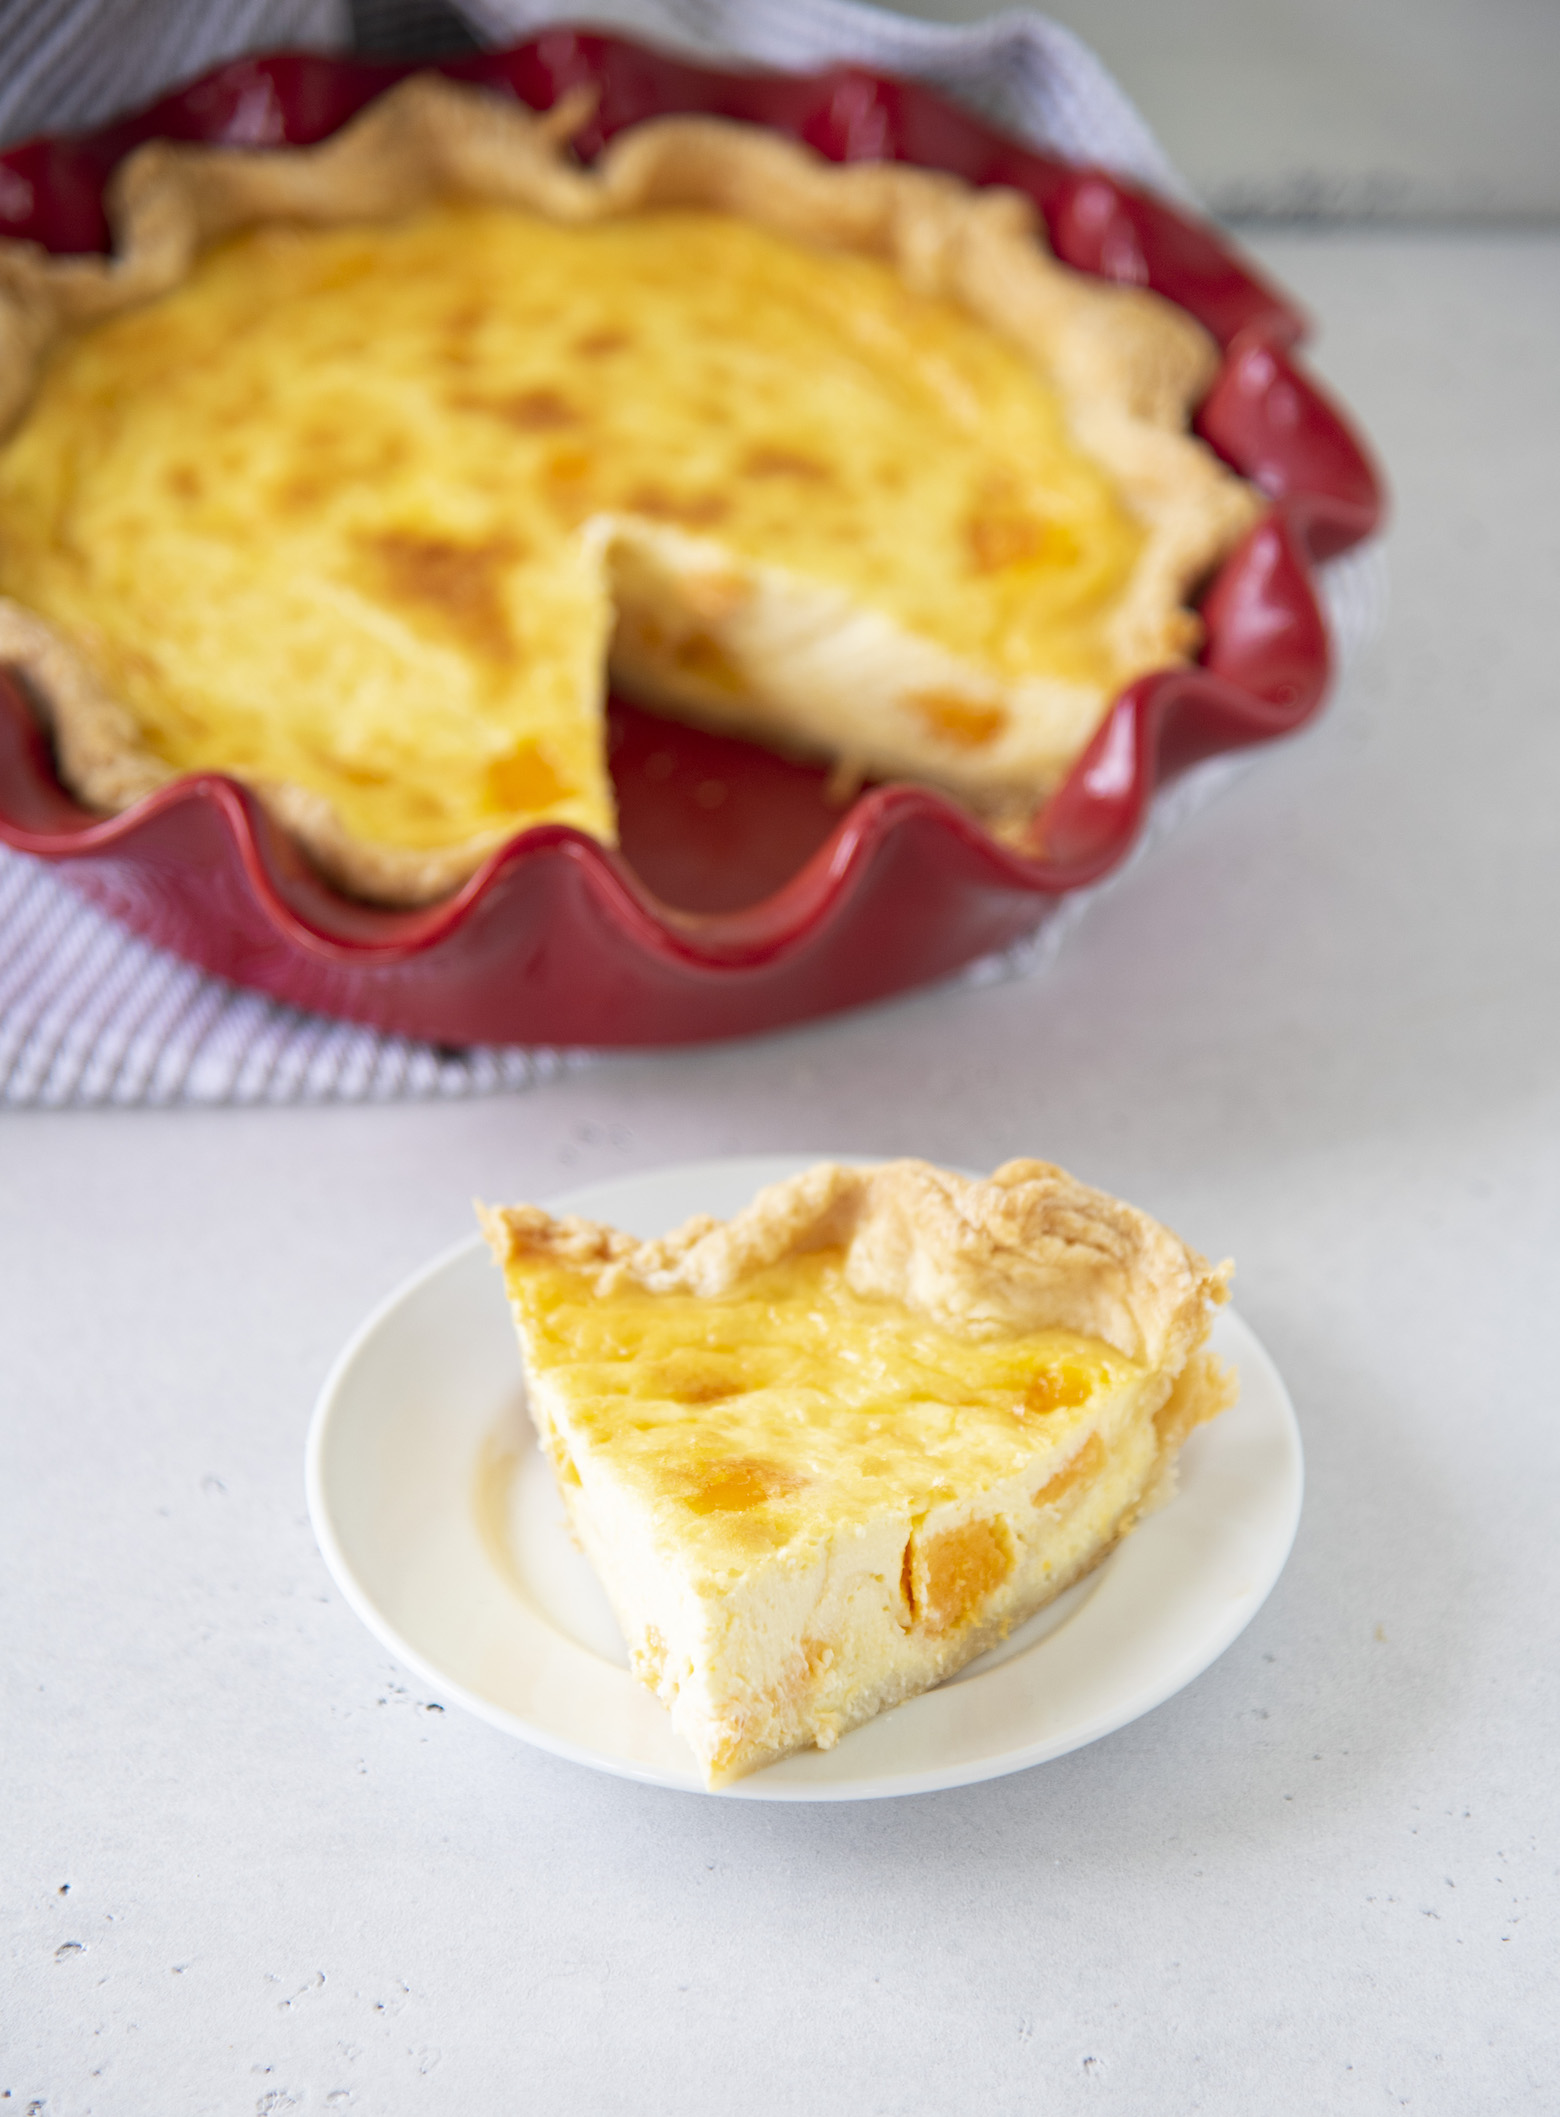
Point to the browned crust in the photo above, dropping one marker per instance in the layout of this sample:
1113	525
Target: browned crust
1130	367
1028	1248
97	739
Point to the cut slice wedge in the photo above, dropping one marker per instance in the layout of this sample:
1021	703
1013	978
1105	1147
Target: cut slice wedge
823	1454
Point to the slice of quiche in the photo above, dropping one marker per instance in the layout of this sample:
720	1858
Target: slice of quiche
360	467
824	1453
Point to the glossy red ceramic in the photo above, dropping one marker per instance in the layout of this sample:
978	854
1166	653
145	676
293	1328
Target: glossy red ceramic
740	899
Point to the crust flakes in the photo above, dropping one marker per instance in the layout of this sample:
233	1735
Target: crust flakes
1026	1249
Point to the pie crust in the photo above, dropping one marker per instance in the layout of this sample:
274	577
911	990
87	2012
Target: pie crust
791	1548
819	674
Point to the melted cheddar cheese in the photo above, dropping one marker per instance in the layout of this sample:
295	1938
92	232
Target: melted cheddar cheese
336	512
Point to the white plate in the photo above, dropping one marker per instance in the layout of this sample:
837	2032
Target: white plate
437	1516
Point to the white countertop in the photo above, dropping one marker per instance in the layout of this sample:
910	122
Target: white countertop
250	1866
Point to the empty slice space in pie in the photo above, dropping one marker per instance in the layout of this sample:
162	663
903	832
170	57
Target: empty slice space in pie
825	1453
362	482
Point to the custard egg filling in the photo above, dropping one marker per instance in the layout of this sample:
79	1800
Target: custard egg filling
795	1405
339	511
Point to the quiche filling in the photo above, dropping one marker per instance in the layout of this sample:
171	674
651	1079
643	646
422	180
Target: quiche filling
809	1496
360	468
731	1409
339	511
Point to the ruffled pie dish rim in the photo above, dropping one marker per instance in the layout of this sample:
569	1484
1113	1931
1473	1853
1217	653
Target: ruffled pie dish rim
555	938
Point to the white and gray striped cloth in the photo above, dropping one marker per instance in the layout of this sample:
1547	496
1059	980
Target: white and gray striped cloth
90	1014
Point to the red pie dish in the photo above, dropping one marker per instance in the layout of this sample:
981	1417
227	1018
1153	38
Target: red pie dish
738	898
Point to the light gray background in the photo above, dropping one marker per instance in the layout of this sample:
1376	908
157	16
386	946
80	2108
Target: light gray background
247	1866
1382	109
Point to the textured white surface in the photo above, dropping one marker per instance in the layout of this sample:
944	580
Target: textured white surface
1321	1880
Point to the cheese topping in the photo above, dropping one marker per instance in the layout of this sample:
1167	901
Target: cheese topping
337	512
796	1407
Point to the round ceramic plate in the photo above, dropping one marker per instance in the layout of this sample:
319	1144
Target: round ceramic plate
438	1518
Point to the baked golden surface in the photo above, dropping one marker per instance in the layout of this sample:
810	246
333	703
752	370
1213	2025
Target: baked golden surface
792	1403
824	1453
324	513
360	510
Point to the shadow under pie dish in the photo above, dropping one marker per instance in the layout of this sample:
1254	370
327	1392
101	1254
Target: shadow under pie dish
827	1452
694	560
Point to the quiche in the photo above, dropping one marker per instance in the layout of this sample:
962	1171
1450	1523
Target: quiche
360	469
824	1453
